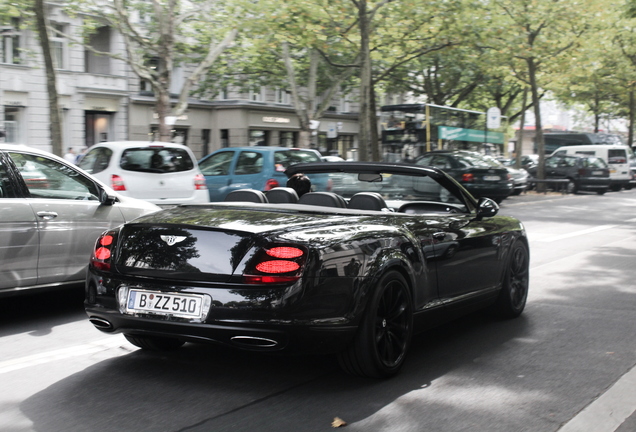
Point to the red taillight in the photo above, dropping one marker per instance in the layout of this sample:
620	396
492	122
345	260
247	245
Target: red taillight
117	183
199	182
285	252
102	254
271	184
468	177
277	264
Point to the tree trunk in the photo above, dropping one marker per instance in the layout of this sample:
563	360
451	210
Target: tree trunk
163	110
519	144
632	107
55	118
365	85
532	75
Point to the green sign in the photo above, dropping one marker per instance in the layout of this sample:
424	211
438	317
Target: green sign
473	135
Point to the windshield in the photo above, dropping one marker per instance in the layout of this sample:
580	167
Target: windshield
396	187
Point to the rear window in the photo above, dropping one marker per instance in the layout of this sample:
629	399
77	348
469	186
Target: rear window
285	158
594	162
156	160
617	156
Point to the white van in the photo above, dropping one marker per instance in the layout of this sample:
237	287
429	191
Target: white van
618	157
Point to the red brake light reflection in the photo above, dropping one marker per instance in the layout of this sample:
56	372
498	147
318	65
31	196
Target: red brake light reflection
107	240
271	184
468	177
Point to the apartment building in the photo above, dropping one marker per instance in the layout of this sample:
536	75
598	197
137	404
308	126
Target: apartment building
103	100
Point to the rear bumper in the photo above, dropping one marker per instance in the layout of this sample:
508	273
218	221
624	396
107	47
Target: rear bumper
246	335
198	197
593	184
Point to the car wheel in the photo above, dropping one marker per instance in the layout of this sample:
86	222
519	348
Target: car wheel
615	187
154	343
514	291
384	335
601	192
571	187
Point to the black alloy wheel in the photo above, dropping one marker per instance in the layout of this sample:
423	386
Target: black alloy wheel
514	292
154	343
572	187
384	336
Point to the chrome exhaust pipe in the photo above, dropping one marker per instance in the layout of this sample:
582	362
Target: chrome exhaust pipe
253	342
101	323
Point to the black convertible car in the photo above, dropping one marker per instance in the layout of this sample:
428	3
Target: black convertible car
384	251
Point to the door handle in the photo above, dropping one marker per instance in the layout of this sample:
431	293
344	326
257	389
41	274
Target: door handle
47	215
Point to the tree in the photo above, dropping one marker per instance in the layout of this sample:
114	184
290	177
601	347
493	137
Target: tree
33	14
534	35
192	34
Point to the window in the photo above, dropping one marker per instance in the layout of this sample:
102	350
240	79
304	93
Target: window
225	138
287	139
249	163
100	41
258	138
11	43
47	178
282	97
216	165
256	95
156	159
96	161
12	124
58	46
144	86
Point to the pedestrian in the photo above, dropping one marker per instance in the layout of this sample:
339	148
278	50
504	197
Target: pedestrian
70	155
300	183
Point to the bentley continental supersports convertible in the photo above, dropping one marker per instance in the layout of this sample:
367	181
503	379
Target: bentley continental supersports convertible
374	253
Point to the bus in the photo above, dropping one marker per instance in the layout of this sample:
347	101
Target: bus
410	130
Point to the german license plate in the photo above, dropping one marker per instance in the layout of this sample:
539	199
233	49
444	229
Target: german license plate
492	178
178	305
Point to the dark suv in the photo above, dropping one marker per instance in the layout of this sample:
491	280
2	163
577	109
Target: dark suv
584	173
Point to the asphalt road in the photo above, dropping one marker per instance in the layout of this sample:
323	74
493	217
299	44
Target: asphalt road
566	365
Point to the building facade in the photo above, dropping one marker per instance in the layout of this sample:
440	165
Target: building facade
103	100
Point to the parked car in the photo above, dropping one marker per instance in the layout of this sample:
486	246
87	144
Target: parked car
52	213
583	173
355	275
481	176
162	173
618	157
261	168
519	176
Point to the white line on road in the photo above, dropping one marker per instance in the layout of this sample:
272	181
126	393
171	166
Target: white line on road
60	354
610	410
577	233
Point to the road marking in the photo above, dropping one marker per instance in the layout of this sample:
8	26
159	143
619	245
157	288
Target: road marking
577	233
60	354
610	410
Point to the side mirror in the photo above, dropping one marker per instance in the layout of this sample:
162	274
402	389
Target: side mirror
105	198
486	207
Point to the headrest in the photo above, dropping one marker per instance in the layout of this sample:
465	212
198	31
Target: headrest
325	199
246	195
282	195
367	201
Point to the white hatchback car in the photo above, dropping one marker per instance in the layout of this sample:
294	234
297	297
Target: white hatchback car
161	173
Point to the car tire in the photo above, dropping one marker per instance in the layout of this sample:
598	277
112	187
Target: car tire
384	335
615	188
154	343
572	187
601	192
514	292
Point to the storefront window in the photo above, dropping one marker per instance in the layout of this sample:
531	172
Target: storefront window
258	138
287	139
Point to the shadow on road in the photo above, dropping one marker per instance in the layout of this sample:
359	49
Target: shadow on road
38	313
210	388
